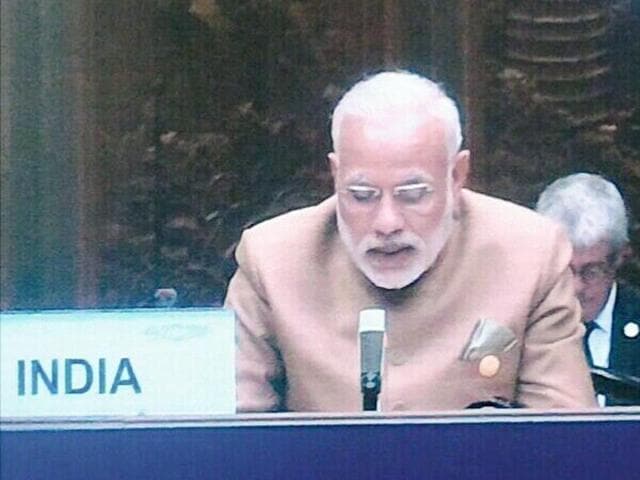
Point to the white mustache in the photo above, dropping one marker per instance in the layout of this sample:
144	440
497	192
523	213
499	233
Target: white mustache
390	245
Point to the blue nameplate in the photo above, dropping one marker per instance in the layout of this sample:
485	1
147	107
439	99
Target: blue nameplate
117	362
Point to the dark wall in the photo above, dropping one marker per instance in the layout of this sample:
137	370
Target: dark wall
142	137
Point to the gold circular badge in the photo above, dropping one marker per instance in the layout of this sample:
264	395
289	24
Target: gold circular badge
489	366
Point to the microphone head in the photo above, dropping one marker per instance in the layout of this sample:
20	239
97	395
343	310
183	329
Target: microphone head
165	297
372	320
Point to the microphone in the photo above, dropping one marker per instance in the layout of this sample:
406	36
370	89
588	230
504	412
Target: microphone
162	298
371	329
165	297
619	388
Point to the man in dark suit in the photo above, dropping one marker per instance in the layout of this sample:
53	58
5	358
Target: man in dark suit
625	353
593	213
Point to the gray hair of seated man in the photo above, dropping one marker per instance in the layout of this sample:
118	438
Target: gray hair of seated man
590	208
402	93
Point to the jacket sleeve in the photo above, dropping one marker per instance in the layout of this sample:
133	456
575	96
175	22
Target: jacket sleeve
259	369
553	369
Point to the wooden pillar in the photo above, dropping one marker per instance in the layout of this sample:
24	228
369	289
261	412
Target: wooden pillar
392	40
563	47
43	138
457	61
7	37
79	15
473	88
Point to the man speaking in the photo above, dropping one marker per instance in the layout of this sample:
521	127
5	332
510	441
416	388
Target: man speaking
476	295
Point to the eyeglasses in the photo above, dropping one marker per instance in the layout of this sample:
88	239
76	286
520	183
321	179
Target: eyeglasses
412	194
593	272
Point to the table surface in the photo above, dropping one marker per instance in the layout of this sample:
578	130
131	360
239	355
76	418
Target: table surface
481	444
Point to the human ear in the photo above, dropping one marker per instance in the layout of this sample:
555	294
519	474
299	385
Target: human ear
334	163
460	170
623	256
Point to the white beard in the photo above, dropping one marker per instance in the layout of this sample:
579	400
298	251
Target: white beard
424	255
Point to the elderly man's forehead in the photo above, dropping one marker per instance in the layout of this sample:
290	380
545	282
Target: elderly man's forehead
600	251
392	127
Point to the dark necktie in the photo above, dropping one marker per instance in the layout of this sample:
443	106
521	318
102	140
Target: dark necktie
590	326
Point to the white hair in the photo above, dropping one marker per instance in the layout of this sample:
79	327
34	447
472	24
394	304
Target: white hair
404	93
589	207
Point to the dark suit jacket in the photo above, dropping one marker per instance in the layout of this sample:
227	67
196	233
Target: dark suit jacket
625	352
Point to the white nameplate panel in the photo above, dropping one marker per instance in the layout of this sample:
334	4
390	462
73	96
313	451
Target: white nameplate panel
117	362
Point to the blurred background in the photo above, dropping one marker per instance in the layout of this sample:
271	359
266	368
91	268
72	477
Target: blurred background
140	137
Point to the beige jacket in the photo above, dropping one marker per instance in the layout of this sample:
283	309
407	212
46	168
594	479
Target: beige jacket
297	297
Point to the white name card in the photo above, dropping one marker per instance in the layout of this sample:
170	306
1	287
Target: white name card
117	362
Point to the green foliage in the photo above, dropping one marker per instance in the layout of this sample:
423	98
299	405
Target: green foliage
229	132
213	121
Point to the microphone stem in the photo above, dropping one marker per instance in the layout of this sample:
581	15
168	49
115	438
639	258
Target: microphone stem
370	390
369	400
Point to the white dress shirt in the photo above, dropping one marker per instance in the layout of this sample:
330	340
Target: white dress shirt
600	339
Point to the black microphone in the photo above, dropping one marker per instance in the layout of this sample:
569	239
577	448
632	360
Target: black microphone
620	389
371	328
